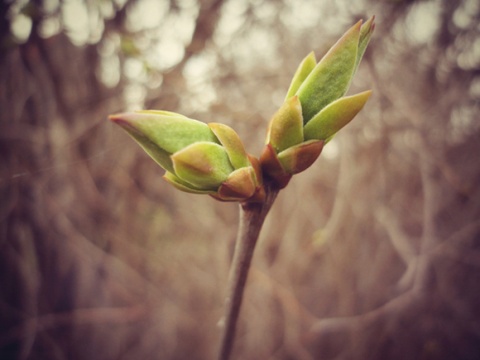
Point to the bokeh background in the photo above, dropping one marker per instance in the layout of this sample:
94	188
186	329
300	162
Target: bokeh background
373	253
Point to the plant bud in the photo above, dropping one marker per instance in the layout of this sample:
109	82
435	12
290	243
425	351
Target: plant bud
198	158
315	108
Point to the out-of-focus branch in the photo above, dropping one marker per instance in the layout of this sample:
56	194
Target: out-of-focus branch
74	317
423	275
208	16
402	244
397	236
332	325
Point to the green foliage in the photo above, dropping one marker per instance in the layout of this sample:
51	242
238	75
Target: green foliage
211	159
315	109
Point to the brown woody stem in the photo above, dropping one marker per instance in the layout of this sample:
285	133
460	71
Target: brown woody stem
252	216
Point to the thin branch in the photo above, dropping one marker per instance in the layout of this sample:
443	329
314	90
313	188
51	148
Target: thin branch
252	217
397	236
115	315
393	306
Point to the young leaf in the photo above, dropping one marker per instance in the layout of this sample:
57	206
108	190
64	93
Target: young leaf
304	69
335	116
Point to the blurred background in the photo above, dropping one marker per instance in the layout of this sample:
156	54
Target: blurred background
373	253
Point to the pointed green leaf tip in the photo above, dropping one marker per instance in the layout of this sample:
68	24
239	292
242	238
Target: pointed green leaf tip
232	144
366	32
304	69
335	116
162	133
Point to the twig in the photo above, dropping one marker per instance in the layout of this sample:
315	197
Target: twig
252	217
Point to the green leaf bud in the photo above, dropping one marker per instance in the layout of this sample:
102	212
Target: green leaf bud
315	108
162	133
198	158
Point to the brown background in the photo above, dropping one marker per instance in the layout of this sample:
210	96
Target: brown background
373	253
